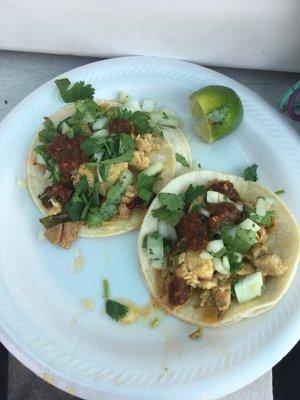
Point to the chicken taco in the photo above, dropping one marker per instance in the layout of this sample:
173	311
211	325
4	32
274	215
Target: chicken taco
215	248
94	166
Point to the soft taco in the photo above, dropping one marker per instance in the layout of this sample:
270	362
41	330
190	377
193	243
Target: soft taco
94	166
215	248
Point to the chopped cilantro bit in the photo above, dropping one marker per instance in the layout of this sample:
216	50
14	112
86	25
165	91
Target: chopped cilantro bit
265	220
105	289
5	101
50	163
182	160
281	191
196	334
170	217
219	253
78	91
154	323
173	202
115	309
48	133
144	187
238	239
250	173
234	261
192	193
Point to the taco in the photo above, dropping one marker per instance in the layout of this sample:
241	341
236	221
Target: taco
94	167
215	248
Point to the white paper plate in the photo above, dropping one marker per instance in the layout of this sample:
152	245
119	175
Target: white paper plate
42	320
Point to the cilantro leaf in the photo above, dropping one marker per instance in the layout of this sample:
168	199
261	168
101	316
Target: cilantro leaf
182	160
115	309
78	203
265	220
144	186
78	91
108	208
50	163
170	217
235	263
192	193
173	202
48	133
250	173
238	239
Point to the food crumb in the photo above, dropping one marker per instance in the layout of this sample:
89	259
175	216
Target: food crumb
5	101
154	323
22	183
87	303
196	334
77	263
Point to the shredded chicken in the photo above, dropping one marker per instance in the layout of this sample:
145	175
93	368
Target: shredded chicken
112	176
208	284
257	250
63	234
129	195
270	264
262	235
246	269
139	161
83	170
205	298
146	143
222	297
124	211
194	269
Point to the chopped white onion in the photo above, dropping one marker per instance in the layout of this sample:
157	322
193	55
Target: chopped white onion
219	266
148	105
154	168
205	212
249	225
123	96
215	246
212	197
64	127
163	229
100	123
205	255
100	133
132	104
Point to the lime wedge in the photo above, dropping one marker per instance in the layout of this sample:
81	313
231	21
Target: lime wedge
219	111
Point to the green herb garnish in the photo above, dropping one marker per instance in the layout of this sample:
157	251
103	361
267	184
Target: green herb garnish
182	160
140	120
281	191
105	289
154	323
116	310
192	193
48	133
238	239
250	173
78	91
51	220
172	210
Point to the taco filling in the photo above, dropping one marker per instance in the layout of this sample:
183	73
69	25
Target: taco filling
210	248
95	164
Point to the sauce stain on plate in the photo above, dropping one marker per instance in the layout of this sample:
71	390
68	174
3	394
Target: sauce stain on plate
48	378
78	262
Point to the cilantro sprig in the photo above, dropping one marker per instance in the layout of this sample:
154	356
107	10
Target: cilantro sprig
140	119
77	91
48	133
171	210
182	160
250	173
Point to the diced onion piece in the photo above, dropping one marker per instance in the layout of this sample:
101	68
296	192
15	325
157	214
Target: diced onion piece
157	264
249	287
126	178
205	212
212	197
205	255
163	229
261	207
172	233
221	198
226	264
100	123
64	127
148	105
269	201
219	266
239	206
100	133
154	169
169	112
123	96
155	246
54	202
22	183
238	256
164	120
132	103
250	225
215	246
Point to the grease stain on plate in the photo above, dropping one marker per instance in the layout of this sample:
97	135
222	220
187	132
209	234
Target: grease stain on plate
87	303
78	262
48	378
